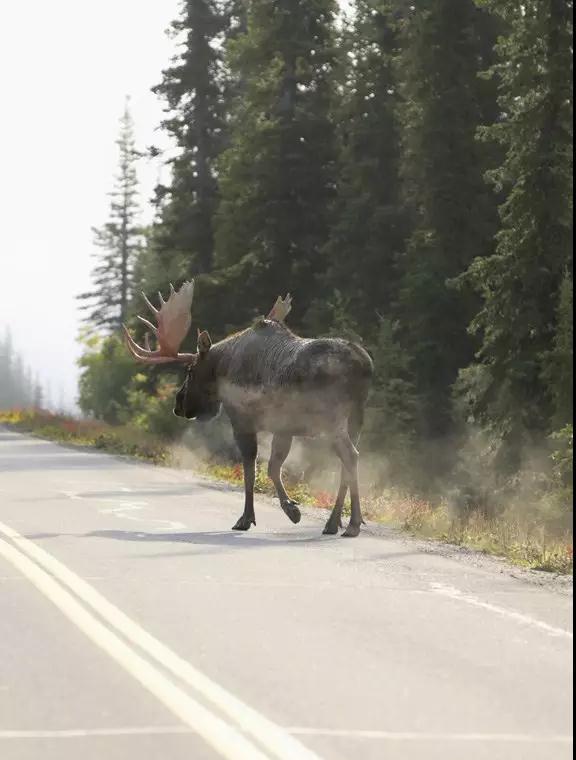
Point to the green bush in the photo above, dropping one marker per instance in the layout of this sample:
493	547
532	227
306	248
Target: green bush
560	496
106	373
153	411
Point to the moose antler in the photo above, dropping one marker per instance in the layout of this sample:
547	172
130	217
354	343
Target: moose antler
173	322
281	308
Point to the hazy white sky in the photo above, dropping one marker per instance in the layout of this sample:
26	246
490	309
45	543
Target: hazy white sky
65	68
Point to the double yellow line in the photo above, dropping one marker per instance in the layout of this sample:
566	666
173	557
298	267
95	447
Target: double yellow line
233	729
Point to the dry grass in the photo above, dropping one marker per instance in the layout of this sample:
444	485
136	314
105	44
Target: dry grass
526	545
506	536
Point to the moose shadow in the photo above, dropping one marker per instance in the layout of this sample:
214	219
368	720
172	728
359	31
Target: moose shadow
223	539
226	539
220	542
238	541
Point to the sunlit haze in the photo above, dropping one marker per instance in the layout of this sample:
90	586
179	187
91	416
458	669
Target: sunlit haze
65	69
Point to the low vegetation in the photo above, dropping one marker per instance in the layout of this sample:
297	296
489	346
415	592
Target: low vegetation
98	435
525	539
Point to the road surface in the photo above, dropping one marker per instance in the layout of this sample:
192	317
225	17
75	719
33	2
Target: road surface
135	624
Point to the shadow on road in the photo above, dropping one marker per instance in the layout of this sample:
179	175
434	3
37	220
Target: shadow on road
50	462
220	541
185	489
230	539
28	454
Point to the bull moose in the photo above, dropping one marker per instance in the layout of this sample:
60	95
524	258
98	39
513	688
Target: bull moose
268	380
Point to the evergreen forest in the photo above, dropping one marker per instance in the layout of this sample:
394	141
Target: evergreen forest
404	170
18	387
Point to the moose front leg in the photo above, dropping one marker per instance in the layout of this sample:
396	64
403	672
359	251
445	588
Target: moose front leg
248	446
280	449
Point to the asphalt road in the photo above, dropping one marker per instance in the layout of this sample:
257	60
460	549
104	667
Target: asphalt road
135	624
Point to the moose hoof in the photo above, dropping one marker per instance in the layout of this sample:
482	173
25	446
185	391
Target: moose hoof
291	509
244	523
332	527
351	531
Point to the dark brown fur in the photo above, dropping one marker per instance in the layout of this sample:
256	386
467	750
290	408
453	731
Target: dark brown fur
268	379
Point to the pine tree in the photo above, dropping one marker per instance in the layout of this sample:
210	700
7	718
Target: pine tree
16	385
192	88
37	394
391	422
559	370
277	177
452	211
521	283
119	241
7	388
370	227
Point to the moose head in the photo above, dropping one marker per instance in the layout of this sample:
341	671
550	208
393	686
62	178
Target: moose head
197	397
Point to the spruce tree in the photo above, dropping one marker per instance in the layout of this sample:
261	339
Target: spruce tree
37	394
452	211
521	283
7	387
277	177
391	421
119	242
192	88
370	221
559	371
17	389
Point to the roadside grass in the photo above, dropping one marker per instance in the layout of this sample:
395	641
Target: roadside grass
528	546
98	435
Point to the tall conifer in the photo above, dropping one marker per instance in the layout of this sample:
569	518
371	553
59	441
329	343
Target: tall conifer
452	211
370	221
118	240
277	177
192	88
521	284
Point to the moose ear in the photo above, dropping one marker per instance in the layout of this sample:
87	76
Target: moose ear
204	342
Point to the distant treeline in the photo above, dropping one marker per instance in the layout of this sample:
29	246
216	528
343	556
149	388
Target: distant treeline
18	388
405	172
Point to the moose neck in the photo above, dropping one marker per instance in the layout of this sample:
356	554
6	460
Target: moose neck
220	351
255	356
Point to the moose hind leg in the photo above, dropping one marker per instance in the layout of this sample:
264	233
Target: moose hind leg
248	446
334	522
280	449
349	456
